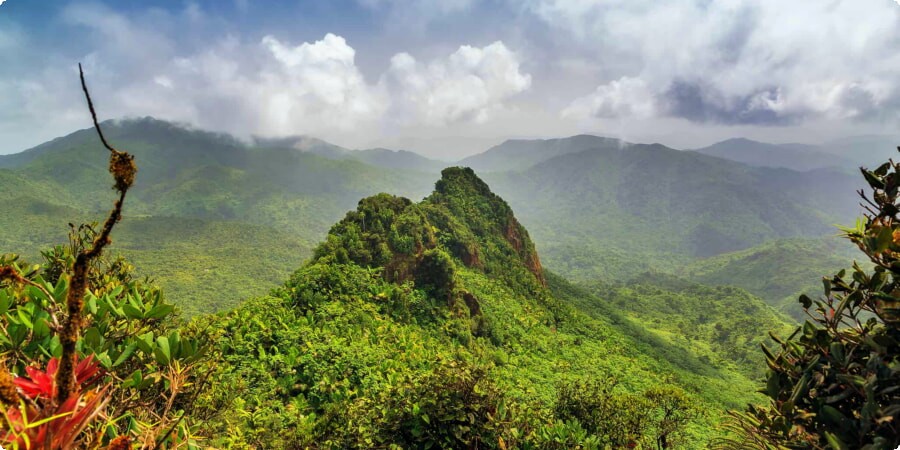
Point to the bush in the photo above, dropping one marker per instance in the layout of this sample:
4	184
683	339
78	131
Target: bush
834	382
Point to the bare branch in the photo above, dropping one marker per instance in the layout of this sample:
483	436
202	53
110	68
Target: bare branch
122	168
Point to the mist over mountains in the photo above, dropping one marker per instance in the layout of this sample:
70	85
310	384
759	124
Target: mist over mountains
598	208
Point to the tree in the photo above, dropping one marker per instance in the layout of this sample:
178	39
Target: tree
672	410
835	382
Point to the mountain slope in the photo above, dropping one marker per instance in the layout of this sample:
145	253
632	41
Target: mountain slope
202	181
649	207
518	154
609	211
789	156
777	271
433	324
379	157
868	151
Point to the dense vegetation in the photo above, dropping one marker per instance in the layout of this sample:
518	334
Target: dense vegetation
777	271
434	324
612	213
834	382
429	324
94	362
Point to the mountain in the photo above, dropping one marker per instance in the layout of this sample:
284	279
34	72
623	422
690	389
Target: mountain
791	156
616	212
777	271
868	151
380	157
433	324
518	154
398	159
201	181
609	211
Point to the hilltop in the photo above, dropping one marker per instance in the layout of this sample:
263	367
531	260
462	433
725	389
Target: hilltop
441	312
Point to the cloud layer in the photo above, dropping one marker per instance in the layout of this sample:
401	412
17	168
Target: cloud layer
766	62
379	69
270	86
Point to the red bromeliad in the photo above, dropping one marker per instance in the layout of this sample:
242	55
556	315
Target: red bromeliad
42	385
40	423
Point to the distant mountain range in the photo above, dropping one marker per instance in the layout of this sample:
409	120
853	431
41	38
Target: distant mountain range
380	157
597	208
849	153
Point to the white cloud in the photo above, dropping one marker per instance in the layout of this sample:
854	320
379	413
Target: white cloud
736	61
267	87
625	97
470	84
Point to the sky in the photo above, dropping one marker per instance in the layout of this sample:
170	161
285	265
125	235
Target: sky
448	78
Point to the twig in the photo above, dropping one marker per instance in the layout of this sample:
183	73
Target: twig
122	168
202	384
90	103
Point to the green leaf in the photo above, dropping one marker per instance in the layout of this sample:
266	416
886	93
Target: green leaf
92	338
24	318
5	301
129	350
161	352
834	442
41	328
131	312
160	311
884	240
805	301
145	342
872	179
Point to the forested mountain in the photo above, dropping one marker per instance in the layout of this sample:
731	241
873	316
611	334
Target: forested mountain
868	151
380	157
615	212
777	271
520	154
599	208
847	153
433	324
791	156
236	204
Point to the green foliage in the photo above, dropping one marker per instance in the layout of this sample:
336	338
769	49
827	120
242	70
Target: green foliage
619	419
459	346
215	220
833	383
777	272
212	219
128	327
609	212
723	325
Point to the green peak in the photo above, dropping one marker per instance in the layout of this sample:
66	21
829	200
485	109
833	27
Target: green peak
462	218
488	219
460	180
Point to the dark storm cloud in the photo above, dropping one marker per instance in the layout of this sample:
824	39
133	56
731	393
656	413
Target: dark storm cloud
699	103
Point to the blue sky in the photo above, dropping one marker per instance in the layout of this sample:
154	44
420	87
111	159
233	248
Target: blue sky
449	77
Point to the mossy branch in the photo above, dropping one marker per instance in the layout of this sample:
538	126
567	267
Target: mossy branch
122	168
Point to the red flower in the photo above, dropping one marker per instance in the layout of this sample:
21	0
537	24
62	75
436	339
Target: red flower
43	384
70	418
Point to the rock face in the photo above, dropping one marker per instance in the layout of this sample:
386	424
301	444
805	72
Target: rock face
517	236
497	233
